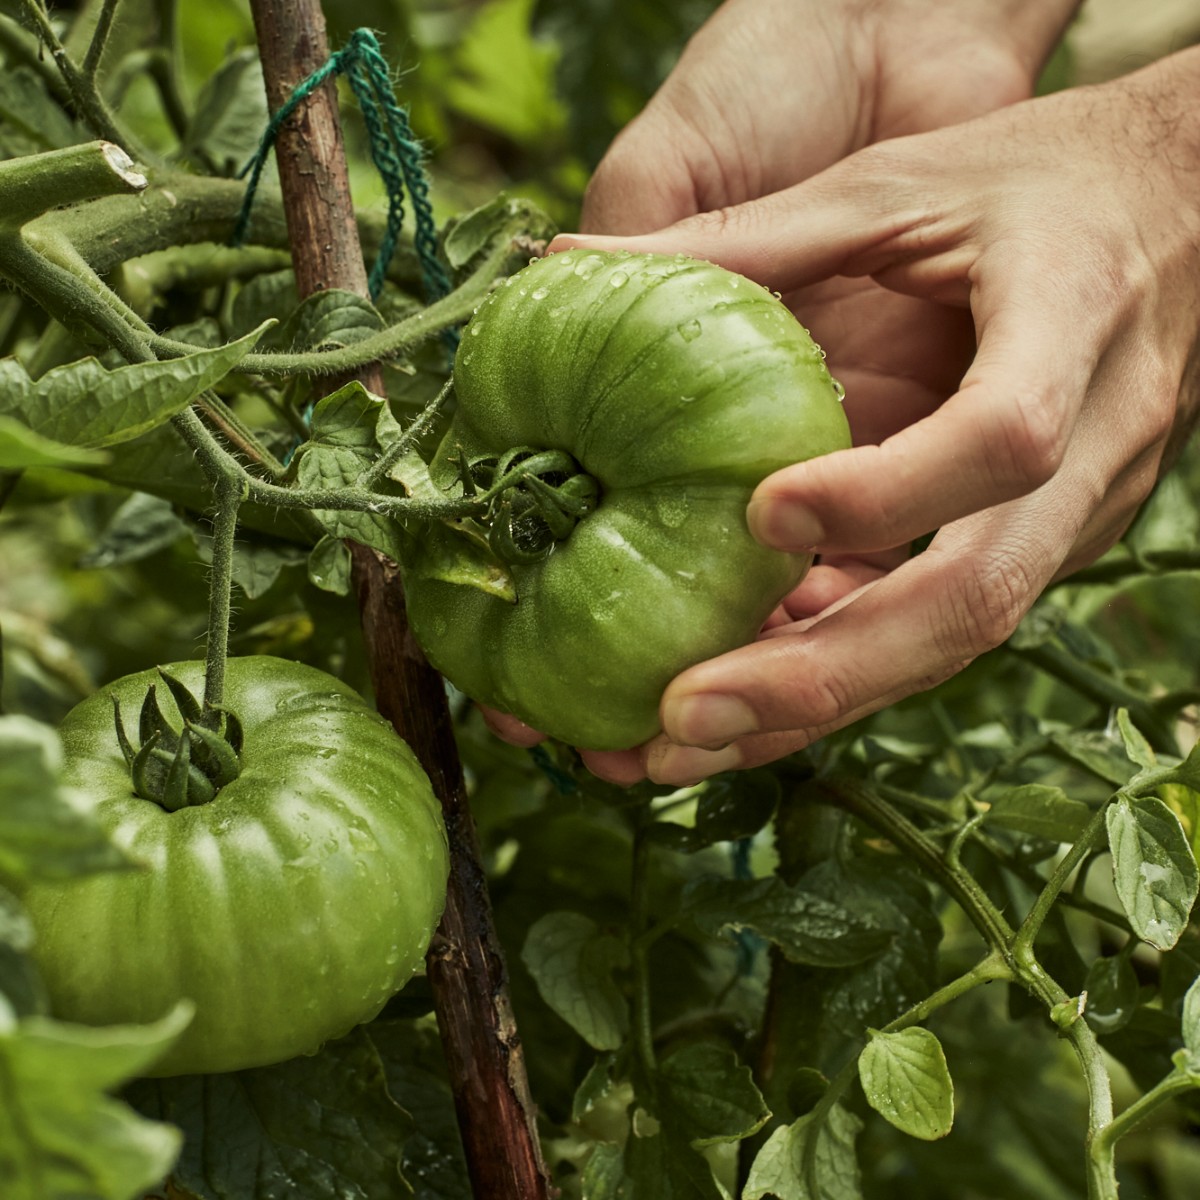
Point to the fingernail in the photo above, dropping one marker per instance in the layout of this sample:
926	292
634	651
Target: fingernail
685	765
708	720
784	525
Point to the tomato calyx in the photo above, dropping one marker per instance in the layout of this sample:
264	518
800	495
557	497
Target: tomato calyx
531	499
177	768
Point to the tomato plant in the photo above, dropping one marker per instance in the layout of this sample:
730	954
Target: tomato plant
288	908
673	387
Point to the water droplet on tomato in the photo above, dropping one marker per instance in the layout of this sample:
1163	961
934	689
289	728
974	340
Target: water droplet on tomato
839	391
539	294
618	279
689	330
672	511
476	326
589	266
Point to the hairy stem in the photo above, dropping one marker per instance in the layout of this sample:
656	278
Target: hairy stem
229	490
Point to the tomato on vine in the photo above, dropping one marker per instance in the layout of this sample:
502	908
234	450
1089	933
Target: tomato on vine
621	409
287	891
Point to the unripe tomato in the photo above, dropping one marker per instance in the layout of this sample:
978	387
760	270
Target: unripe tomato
677	387
288	909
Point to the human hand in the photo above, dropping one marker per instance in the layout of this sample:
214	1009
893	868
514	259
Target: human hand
769	92
1070	227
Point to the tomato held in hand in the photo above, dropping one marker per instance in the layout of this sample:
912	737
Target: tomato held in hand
288	907
674	387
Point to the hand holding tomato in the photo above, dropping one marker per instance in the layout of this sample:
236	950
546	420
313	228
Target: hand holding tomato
1068	228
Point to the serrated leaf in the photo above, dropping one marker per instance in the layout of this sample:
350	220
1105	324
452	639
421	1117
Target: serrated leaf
21	448
1154	870
256	564
810	1159
905	1079
323	1127
1045	812
1112	994
85	404
1136	746
1095	753
142	526
331	319
66	1138
708	1096
572	962
805	926
329	566
46	831
1188	771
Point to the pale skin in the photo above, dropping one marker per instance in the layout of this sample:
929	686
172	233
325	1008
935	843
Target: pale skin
1009	290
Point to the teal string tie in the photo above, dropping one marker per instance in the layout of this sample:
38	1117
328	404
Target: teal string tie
397	155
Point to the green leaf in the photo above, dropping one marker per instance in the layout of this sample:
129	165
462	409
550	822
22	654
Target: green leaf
708	1096
256	564
810	1159
1191	1020
597	1083
329	566
321	1127
1112	993
46	831
1188	771
663	1166
905	1079
604	1172
1136	747
64	1139
31	120
329	320
805	926
730	807
1041	811
1154	871
572	962
1096	753
85	404
473	232
142	526
230	115
21	447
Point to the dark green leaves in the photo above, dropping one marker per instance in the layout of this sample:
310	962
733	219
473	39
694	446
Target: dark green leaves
708	1096
806	927
21	447
906	1080
1045	812
1154	871
85	404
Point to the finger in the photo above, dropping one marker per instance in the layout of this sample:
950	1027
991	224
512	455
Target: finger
918	625
622	767
1002	435
510	729
836	577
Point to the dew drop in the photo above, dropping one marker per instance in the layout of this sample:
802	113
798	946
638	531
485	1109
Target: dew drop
672	511
689	330
589	266
476	326
838	390
618	279
539	294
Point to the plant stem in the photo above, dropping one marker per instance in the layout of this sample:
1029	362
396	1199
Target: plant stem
36	183
95	51
1148	565
84	94
639	921
1103	1146
466	967
229	491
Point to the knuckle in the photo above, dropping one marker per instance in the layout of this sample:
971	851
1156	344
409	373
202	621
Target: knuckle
1034	439
982	607
818	698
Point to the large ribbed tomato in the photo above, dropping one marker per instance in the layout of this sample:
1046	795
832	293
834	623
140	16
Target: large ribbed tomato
287	909
677	387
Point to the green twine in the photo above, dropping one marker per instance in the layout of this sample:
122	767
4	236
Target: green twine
396	152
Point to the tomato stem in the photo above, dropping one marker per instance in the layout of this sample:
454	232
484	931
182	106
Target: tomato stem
230	492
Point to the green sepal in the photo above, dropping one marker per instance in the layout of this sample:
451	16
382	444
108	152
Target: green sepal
153	721
215	757
146	771
465	475
127	751
229	726
558	520
175	793
189	707
503	543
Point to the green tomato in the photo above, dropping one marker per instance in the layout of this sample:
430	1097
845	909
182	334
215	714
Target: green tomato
677	386
288	909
